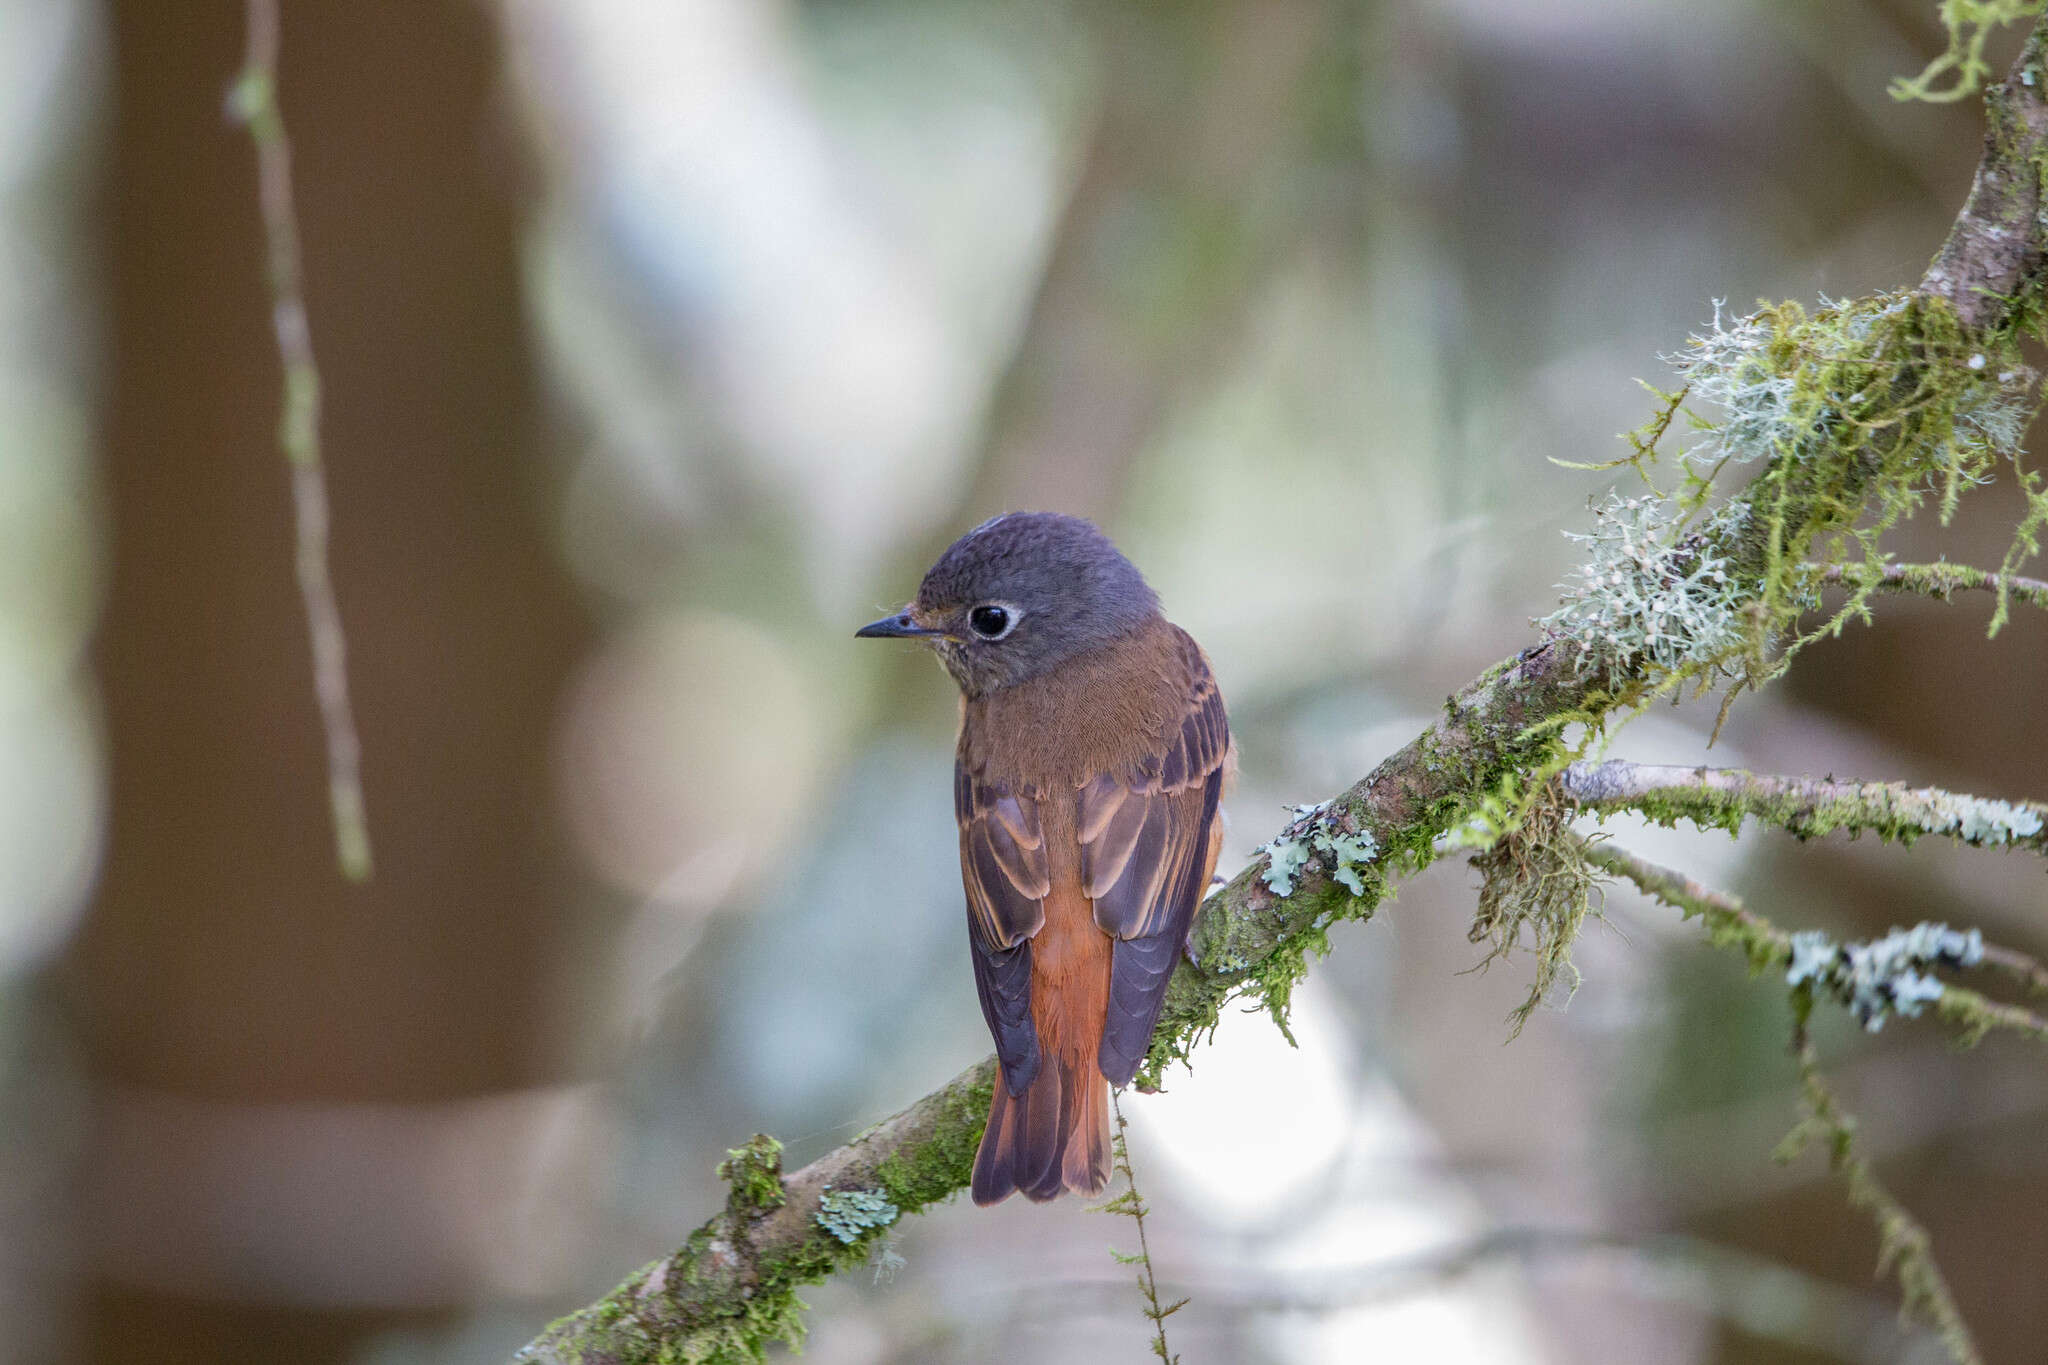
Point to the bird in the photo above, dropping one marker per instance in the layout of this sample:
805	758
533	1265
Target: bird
1092	756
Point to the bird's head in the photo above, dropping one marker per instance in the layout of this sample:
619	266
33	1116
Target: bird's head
1019	595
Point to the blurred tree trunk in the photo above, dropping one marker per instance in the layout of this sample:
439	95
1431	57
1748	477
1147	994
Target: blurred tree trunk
226	960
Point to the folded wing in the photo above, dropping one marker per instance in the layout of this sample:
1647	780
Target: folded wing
1146	856
1006	872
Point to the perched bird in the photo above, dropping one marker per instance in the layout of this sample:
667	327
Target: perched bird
1093	750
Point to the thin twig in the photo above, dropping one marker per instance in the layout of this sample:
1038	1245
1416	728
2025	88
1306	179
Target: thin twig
1804	806
254	102
2025	970
1903	1244
1731	924
1132	1204
1728	921
1938	580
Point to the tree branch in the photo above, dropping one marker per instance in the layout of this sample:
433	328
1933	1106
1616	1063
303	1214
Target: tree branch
1903	1244
1938	580
732	1286
1807	807
1730	924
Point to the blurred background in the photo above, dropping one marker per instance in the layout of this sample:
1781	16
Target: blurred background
664	344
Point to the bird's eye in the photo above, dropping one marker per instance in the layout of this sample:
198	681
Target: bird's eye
990	622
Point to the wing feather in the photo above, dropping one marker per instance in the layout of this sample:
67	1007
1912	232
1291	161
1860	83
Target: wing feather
1145	842
1004	867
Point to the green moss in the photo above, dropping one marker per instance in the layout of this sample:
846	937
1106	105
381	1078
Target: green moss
1536	888
1861	411
1975	1017
1261	949
754	1172
1853	414
922	1172
1961	64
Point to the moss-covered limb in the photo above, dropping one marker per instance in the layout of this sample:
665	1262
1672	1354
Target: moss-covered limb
1808	807
1729	923
1851	415
731	1288
1253	937
1938	580
1903	1244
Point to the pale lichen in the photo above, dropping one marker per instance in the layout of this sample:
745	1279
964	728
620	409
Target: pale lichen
1647	598
1856	412
1885	976
851	1215
1977	820
1346	855
1770	406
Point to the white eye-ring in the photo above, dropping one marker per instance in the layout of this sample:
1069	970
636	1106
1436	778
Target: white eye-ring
993	620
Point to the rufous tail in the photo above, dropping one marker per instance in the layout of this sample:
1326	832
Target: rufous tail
1053	1137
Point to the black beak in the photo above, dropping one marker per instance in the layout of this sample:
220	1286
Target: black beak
899	626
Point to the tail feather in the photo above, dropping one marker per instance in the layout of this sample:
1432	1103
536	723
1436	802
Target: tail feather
1053	1137
1085	1169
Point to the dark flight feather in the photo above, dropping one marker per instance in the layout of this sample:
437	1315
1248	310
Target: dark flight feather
1003	858
1146	865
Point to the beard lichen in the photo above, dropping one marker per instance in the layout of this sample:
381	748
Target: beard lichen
1536	887
1648	598
1852	415
1857	411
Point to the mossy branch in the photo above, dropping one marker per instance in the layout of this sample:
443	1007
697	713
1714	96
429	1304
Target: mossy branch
1807	807
1730	924
731	1288
1903	1245
1942	580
